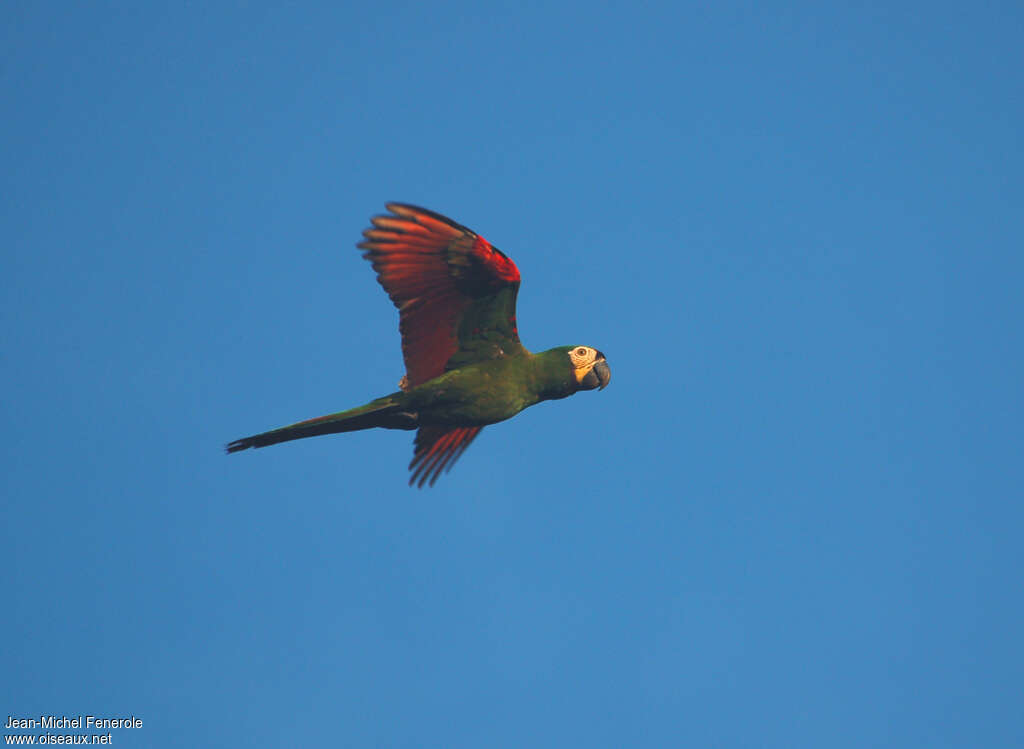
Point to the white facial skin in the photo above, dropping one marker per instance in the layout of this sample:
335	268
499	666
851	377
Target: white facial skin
582	357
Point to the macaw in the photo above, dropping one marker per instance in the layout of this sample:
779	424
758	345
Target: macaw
465	367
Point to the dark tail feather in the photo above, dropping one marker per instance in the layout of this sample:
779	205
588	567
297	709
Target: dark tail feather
383	412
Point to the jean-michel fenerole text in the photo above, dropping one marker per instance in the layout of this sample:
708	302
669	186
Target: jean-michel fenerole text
78	721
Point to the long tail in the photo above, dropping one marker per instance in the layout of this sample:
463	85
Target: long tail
384	412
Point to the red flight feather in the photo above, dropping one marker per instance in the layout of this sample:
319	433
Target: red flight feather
432	268
437	449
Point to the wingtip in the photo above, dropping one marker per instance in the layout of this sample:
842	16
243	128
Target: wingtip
405	209
417	213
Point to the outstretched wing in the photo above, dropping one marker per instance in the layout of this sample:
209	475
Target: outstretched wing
455	292
436	450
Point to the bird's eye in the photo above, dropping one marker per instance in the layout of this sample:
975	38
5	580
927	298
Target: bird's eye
581	351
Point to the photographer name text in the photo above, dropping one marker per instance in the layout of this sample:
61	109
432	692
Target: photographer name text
78	721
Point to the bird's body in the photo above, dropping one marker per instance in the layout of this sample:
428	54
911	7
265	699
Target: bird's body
494	390
465	365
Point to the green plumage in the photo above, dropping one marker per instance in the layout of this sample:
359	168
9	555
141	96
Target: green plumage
475	395
465	367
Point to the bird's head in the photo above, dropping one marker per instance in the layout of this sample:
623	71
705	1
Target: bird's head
589	367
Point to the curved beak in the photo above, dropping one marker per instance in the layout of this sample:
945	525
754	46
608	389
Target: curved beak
599	375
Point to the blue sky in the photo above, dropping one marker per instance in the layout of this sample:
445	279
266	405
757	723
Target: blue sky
792	520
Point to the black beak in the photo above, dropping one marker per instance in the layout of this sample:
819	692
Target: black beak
598	377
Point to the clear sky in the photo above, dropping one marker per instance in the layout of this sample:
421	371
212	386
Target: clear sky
793	519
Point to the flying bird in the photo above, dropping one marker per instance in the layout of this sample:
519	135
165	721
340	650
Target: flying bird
465	367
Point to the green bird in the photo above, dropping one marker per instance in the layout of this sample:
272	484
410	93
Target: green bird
465	367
